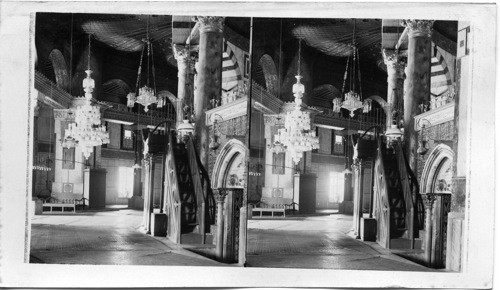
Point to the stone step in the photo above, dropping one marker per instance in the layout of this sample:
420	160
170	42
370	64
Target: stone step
404	243
194	238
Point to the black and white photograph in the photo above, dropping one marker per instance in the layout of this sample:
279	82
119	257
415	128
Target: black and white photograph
247	144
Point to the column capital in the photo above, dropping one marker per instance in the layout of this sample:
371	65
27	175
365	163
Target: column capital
210	23
418	27
220	195
356	165
394	61
428	200
64	114
181	52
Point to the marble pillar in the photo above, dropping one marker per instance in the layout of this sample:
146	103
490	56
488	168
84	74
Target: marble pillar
185	79
209	79
220	196
428	200
418	80
148	190
358	197
395	64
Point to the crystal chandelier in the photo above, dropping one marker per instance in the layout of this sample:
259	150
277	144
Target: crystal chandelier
352	100
147	95
87	130
297	136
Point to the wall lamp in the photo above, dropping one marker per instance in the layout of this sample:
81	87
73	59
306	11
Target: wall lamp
422	143
216	120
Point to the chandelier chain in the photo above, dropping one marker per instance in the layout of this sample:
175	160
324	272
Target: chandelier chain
359	76
88	58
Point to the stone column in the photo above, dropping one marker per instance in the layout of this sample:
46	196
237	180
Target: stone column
209	79
220	196
428	200
148	164
395	82
181	54
346	207
358	196
418	80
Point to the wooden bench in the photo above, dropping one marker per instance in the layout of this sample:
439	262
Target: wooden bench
272	205
60	205
52	203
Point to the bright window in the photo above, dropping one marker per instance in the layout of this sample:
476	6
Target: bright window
336	194
125	182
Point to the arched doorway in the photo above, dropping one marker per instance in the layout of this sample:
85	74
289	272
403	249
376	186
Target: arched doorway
229	166
436	178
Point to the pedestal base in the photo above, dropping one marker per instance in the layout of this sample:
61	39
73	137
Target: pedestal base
159	224
346	207
136	202
38	206
368	229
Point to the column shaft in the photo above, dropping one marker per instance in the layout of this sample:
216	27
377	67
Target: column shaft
418	80
395	82
181	55
209	79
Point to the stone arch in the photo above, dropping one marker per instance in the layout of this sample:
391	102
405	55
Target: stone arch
172	99
440	75
323	95
268	66
115	90
231	75
60	68
439	156
230	152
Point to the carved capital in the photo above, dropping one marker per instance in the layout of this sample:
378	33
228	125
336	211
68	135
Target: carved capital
220	195
274	120
395	63
146	162
181	52
418	27
64	114
429	199
210	23
356	166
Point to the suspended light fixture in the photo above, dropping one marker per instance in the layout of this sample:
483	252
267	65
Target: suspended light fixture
352	100
87	130
393	133
297	136
146	95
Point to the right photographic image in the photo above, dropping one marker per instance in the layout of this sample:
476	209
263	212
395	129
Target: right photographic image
356	145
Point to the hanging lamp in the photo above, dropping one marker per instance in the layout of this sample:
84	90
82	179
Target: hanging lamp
297	136
87	130
352	99
146	96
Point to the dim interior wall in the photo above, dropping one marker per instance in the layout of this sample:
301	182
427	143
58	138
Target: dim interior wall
284	181
44	147
62	176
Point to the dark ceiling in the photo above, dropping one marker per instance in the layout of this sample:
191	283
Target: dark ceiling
325	45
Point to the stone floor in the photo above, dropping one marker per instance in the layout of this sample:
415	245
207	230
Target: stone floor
319	242
104	238
112	237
